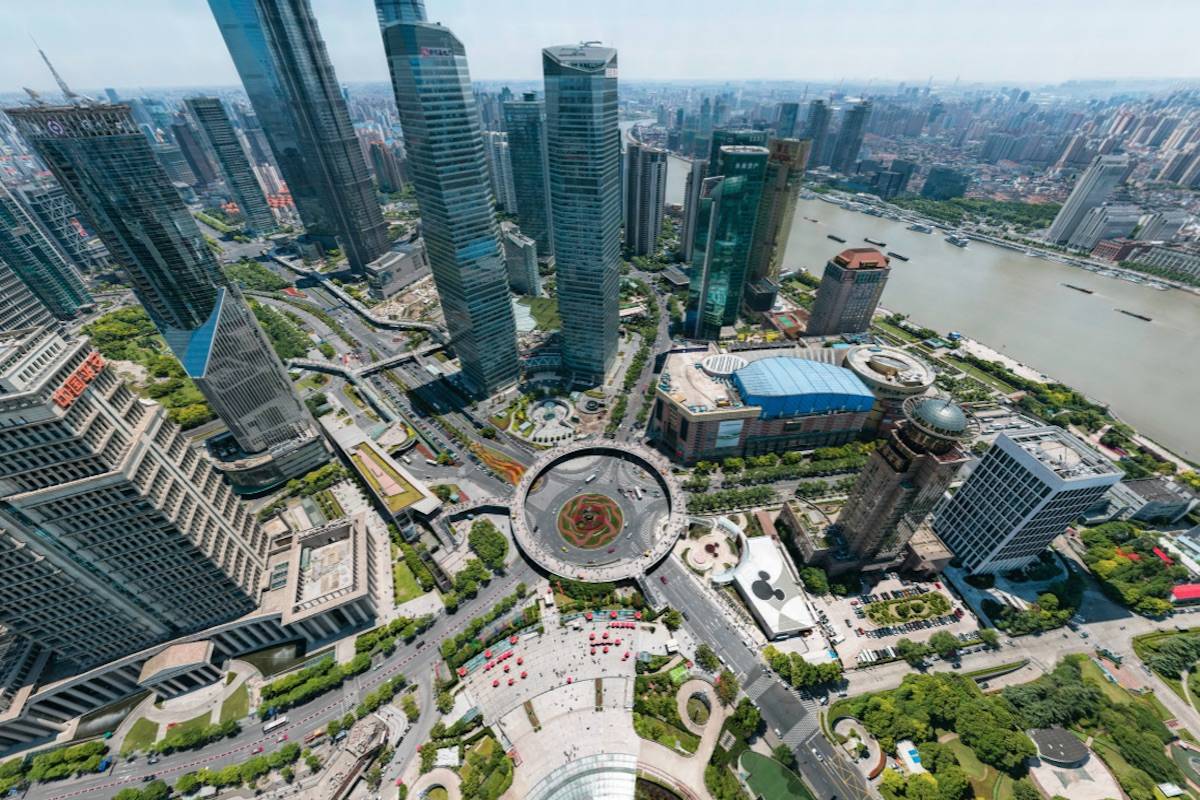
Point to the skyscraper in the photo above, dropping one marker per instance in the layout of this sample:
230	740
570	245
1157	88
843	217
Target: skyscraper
785	122
781	187
850	138
500	171
386	166
732	136
280	56
520	254
645	197
1024	492
944	183
816	128
449	174
19	307
114	533
584	145
102	160
60	219
725	224
525	122
904	478
235	167
37	261
692	186
1107	221
1093	188
193	151
849	292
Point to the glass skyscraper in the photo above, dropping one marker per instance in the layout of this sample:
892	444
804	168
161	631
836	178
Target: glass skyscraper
584	146
449	174
231	159
781	188
725	224
525	121
850	139
44	269
107	167
280	56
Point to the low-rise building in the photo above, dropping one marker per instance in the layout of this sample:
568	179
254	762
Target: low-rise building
766	582
400	266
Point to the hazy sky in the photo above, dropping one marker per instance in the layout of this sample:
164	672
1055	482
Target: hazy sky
147	43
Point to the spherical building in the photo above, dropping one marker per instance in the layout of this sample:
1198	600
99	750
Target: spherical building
893	375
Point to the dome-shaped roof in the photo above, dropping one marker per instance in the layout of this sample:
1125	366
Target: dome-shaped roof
940	415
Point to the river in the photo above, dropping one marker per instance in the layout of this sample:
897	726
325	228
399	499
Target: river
1147	372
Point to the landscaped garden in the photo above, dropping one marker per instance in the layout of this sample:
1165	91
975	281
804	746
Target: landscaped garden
656	714
508	469
771	780
1132	569
237	705
589	521
908	609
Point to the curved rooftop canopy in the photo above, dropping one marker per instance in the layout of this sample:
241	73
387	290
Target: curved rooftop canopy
940	415
786	386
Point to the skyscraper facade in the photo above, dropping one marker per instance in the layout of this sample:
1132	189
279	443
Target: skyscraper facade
19	307
1024	492
732	136
692	187
785	123
525	122
521	256
725	224
102	160
584	146
193	151
30	253
449	173
114	533
386	165
60	220
850	138
781	188
1093	188
239	179
816	128
500	170
280	55
850	289
645	197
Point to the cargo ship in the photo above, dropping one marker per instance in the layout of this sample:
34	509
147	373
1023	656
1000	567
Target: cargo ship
835	238
1135	315
897	255
919	228
869	240
958	241
1078	288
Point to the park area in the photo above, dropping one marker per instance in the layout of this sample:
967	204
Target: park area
771	780
656	714
908	609
590	520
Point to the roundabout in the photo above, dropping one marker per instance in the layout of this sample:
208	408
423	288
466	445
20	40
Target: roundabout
596	512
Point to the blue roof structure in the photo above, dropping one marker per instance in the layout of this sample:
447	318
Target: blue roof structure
786	386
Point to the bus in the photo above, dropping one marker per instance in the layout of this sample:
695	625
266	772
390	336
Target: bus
275	724
590	478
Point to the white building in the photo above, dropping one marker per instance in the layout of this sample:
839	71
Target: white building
771	589
1092	189
1105	222
1025	491
495	145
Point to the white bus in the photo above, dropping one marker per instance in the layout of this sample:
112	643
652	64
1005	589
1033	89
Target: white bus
590	478
275	724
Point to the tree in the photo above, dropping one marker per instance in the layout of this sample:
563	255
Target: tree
746	717
944	644
989	637
706	658
428	756
373	777
673	620
187	783
288	774
815	580
487	542
445	702
1024	789
487	432
784	755
911	651
727	687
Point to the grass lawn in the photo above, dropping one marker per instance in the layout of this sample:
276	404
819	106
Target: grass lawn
544	311
237	705
195	723
405	585
1091	672
367	461
1183	760
697	711
983	778
437	793
667	735
772	780
141	735
899	333
1109	754
312	380
981	376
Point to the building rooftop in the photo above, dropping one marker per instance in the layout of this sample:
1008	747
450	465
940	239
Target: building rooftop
1058	744
176	657
890	367
788	386
861	258
1062	453
776	596
1159	489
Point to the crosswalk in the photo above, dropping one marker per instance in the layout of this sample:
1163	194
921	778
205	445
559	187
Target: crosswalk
759	686
803	730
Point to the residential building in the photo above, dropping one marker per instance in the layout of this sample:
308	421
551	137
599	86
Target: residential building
525	123
850	138
239	179
58	217
19	307
448	169
1104	222
645	197
1027	488
389	174
1184	259
584	147
850	289
1092	189
521	258
944	183
500	171
105	164
786	163
278	51
816	129
904	478
1162	226
30	253
693	183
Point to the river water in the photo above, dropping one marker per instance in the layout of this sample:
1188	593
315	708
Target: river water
1147	372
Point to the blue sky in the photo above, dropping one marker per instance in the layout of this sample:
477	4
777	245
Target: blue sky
147	43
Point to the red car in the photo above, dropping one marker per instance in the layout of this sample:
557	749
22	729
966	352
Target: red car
663	578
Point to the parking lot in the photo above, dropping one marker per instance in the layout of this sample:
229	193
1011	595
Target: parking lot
861	640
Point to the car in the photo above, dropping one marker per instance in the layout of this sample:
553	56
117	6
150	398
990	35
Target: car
258	749
663	579
148	778
152	760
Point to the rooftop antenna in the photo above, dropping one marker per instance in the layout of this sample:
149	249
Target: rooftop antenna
34	96
62	85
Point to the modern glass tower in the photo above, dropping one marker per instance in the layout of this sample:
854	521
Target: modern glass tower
850	138
584	145
102	160
39	263
525	121
19	307
645	197
785	171
280	56
725	223
449	174
231	159
816	127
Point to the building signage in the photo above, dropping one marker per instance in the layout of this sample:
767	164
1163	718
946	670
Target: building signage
729	433
78	381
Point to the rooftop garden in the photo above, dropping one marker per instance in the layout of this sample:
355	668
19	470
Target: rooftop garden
1132	569
369	464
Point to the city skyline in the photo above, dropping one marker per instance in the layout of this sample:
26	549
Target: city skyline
929	40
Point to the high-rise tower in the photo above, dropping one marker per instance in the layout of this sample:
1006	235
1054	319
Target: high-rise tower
495	144
279	53
449	174
781	188
850	289
235	167
692	187
785	123
1092	189
584	145
29	252
19	307
61	221
816	128
850	138
645	197
525	122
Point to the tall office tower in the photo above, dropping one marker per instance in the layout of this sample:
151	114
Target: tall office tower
235	167
525	122
1024	492
724	234
904	478
786	119
816	128
449	174
99	157
943	183
174	164
1092	189
500	172
280	56
1162	226
389	174
60	219
692	186
849	292
29	252
584	145
114	533
193	152
645	197
850	138
521	257
1114	221
732	137
781	187
112	95
19	307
